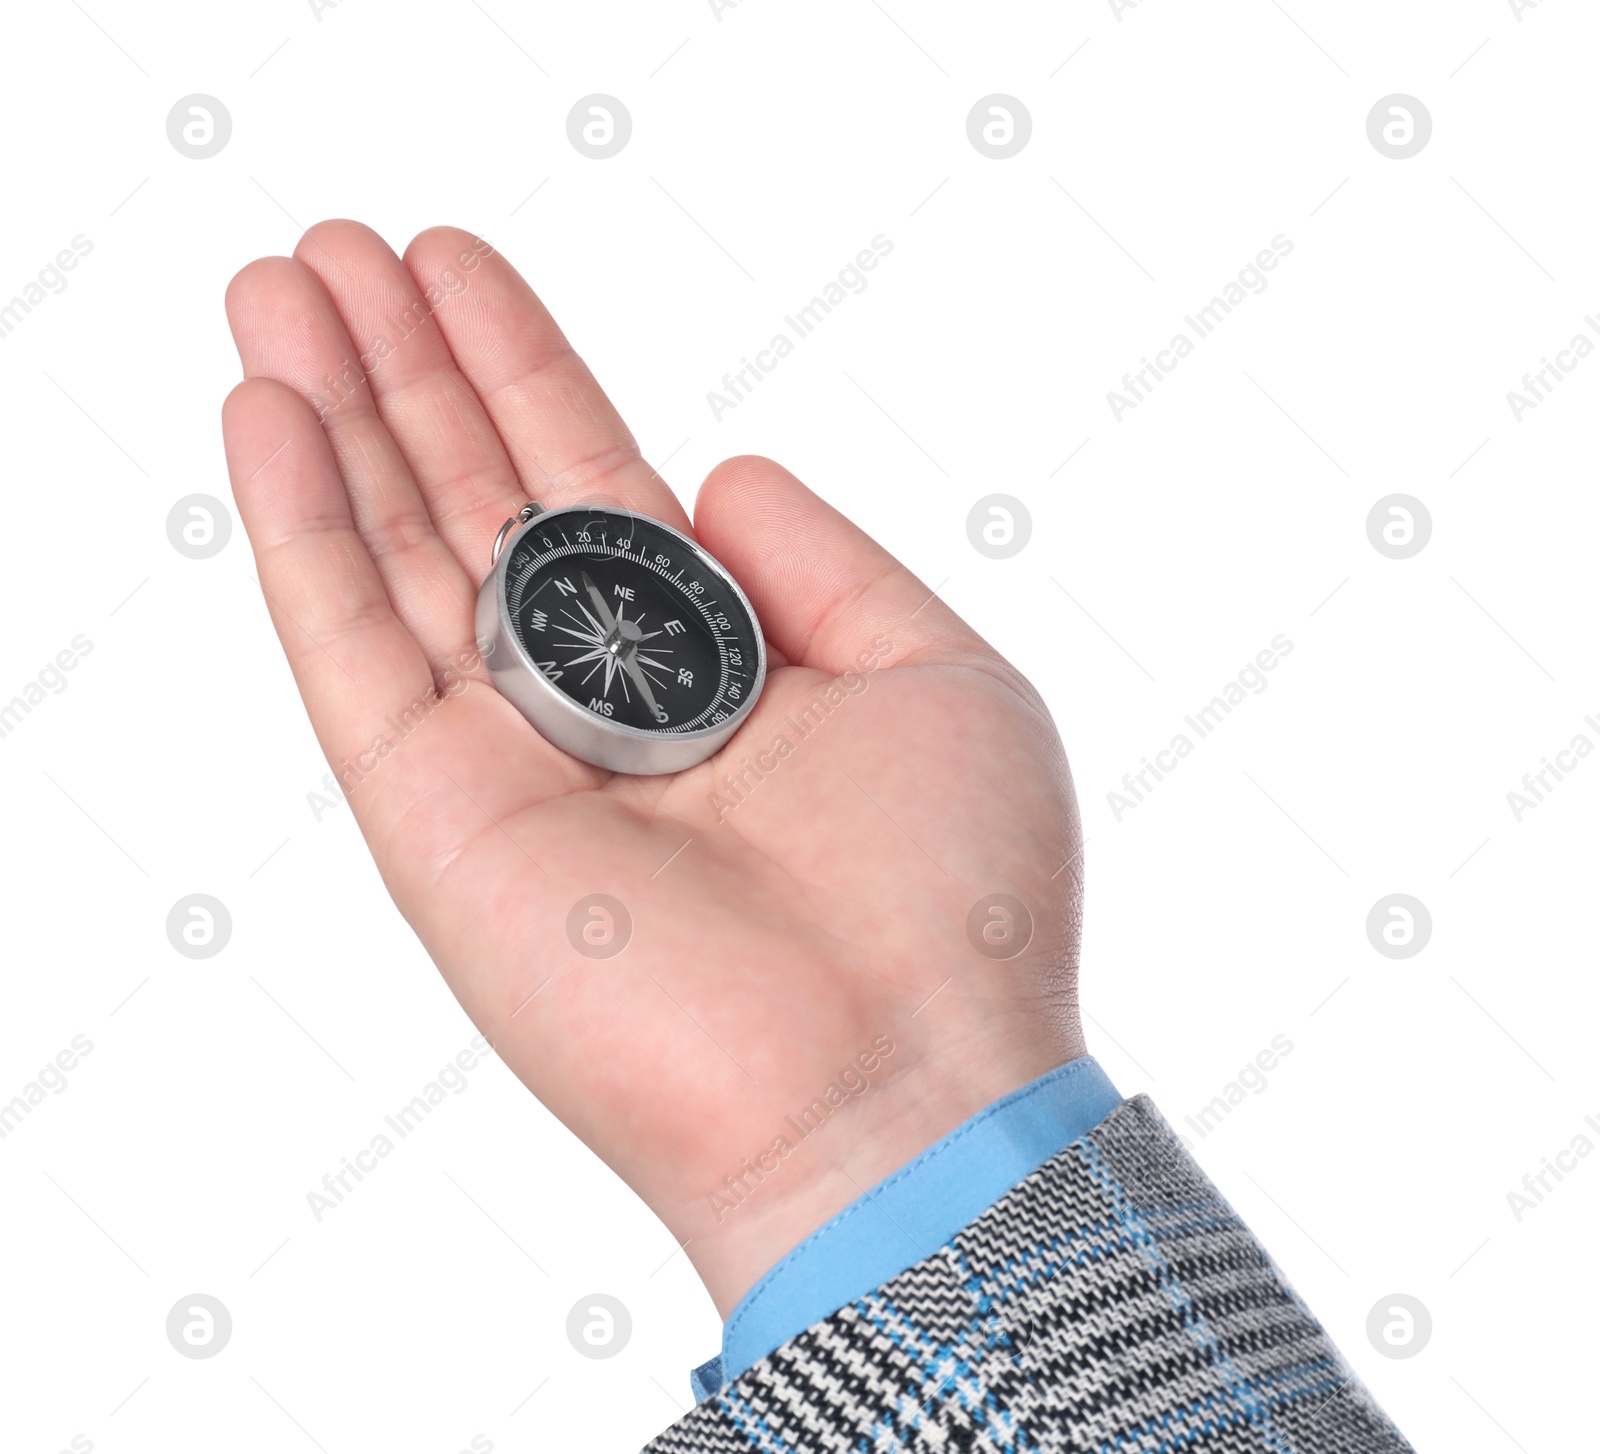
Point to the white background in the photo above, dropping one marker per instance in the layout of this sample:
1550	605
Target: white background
770	144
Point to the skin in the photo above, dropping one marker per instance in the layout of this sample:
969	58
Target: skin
803	915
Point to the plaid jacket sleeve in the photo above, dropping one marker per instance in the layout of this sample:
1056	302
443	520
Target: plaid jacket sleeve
1111	1302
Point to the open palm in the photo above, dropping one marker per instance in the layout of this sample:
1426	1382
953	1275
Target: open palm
791	905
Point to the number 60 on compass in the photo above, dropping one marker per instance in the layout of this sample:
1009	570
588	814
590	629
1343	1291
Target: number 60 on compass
618	638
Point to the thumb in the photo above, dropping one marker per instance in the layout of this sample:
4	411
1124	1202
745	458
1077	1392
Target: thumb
822	587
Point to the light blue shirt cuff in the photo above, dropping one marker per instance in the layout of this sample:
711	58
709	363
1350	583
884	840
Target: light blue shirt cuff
911	1214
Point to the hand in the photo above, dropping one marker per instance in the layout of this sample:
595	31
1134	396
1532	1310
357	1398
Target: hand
794	902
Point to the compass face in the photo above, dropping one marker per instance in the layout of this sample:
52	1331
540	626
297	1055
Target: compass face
633	622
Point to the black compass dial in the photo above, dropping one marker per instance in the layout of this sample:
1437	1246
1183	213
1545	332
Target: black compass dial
633	622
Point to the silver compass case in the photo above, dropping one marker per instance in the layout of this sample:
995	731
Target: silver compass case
597	740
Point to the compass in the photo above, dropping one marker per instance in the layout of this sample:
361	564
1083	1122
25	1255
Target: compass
620	639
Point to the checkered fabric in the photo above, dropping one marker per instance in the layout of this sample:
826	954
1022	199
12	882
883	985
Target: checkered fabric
1111	1302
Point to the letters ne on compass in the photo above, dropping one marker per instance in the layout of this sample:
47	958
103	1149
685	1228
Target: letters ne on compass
614	643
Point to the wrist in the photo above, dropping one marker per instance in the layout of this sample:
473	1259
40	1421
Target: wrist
892	1099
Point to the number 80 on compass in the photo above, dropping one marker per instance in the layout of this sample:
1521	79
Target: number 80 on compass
619	638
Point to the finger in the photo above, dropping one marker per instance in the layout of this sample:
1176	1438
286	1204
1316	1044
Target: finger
287	329
433	415
825	591
567	442
392	740
352	657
